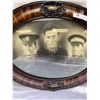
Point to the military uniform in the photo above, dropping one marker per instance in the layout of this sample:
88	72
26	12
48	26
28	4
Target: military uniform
58	52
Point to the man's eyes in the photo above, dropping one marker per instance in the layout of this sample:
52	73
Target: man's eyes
51	36
75	45
29	45
48	36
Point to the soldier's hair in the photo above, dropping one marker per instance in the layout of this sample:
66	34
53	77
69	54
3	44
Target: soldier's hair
50	26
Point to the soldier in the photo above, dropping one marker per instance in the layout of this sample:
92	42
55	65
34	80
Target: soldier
77	42
29	43
51	38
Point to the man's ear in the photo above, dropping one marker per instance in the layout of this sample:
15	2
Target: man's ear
37	45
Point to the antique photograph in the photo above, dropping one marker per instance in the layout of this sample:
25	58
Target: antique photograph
50	48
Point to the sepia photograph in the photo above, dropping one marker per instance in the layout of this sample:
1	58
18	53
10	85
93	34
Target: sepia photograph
50	48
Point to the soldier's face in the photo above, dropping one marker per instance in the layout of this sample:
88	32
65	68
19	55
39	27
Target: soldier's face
29	49
51	39
77	49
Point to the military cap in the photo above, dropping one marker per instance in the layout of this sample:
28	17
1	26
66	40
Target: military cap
28	38
72	37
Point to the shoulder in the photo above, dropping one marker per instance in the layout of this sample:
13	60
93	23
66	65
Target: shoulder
62	51
41	51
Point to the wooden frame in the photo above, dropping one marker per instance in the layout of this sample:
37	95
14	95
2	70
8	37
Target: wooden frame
40	10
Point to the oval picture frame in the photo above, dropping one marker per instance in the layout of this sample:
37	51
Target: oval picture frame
41	10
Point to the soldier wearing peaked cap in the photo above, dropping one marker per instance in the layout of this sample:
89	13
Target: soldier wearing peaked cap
29	43
77	41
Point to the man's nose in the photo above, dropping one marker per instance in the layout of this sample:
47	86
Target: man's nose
75	47
51	39
27	47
